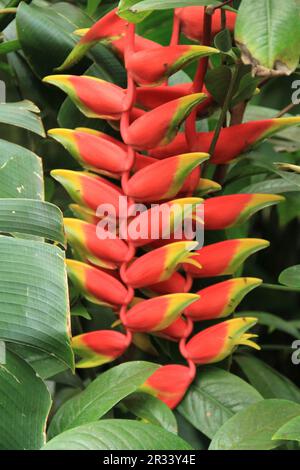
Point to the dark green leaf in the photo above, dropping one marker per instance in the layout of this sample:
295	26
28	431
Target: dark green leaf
214	79
25	404
92	6
214	397
271	186
152	410
117	434
9	46
44	364
253	427
101	395
272	321
47	36
223	40
269	382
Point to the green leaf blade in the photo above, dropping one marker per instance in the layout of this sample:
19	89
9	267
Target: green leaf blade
214	397
117	434
32	217
254	427
33	297
101	395
268	34
25	405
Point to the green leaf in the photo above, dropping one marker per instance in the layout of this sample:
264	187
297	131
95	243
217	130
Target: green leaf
46	35
32	217
9	46
214	77
272	321
126	10
21	173
253	427
45	365
214	397
290	277
80	311
25	404
269	382
145	5
22	114
268	34
117	434
271	186
290	431
152	410
223	40
33	297
247	87
92	6
101	395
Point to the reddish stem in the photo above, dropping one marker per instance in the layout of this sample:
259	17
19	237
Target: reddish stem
175	31
190	125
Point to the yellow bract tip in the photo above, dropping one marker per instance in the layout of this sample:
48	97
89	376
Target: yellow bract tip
81	31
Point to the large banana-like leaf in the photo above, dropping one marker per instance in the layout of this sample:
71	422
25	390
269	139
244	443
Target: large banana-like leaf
268	34
25	404
21	173
22	114
32	217
34	306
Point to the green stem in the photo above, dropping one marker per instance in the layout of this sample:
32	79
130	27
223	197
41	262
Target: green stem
279	287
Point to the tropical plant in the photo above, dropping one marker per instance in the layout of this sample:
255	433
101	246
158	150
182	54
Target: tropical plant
174	117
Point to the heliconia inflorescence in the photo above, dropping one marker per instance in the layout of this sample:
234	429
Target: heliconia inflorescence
146	278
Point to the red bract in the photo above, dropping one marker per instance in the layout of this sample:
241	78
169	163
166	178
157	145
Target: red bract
96	285
232	142
147	278
220	300
158	313
94	97
191	19
219	341
169	384
153	66
98	347
224	257
92	150
163	121
169	175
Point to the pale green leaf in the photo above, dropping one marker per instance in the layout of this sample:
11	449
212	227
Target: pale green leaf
268	34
